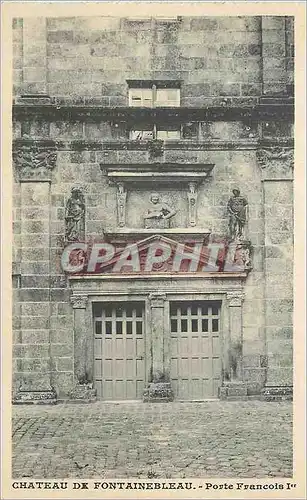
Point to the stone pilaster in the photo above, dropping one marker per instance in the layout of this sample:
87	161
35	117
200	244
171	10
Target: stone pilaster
83	351
234	387
159	388
34	166
277	175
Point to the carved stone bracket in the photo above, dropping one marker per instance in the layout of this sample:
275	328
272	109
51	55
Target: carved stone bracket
266	156
35	162
235	298
121	205
192	199
79	301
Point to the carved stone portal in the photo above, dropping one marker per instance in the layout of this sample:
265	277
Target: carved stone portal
159	214
75	216
237	210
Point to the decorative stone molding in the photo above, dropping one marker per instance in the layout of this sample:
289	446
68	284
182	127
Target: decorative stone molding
79	301
158	392
35	162
192	199
277	393
121	205
238	109
266	156
147	174
83	393
235	298
26	396
157	299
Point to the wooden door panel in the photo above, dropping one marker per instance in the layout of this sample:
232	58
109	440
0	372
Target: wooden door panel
195	349
119	343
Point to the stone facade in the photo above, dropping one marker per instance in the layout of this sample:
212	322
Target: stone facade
71	119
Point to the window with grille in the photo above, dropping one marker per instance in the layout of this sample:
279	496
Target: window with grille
154	94
151	96
195	317
119	319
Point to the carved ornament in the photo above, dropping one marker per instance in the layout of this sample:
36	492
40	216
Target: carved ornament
235	298
265	156
157	299
35	162
79	301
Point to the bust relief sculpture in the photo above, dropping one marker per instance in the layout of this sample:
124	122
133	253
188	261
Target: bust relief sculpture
237	210
75	216
158	214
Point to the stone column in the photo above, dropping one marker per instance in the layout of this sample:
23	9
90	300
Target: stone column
159	388
234	386
34	165
277	181
83	351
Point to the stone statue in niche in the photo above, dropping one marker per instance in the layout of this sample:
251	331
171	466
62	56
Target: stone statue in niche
75	216
237	210
159	214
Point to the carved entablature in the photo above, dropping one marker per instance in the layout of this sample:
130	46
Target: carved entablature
35	162
276	162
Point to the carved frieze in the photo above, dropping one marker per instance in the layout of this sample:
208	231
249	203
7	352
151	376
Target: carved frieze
34	162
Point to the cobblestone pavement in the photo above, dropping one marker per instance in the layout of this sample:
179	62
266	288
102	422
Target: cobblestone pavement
166	440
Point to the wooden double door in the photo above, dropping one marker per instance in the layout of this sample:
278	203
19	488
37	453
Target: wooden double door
121	337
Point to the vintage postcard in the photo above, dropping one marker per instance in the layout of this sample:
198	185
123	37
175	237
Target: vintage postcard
153	256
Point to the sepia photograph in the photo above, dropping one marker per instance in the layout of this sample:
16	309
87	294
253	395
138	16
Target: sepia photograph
152	251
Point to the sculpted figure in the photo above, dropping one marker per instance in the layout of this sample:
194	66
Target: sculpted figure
75	216
159	213
237	209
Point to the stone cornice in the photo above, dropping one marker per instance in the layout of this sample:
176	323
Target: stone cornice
129	145
226	110
164	172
